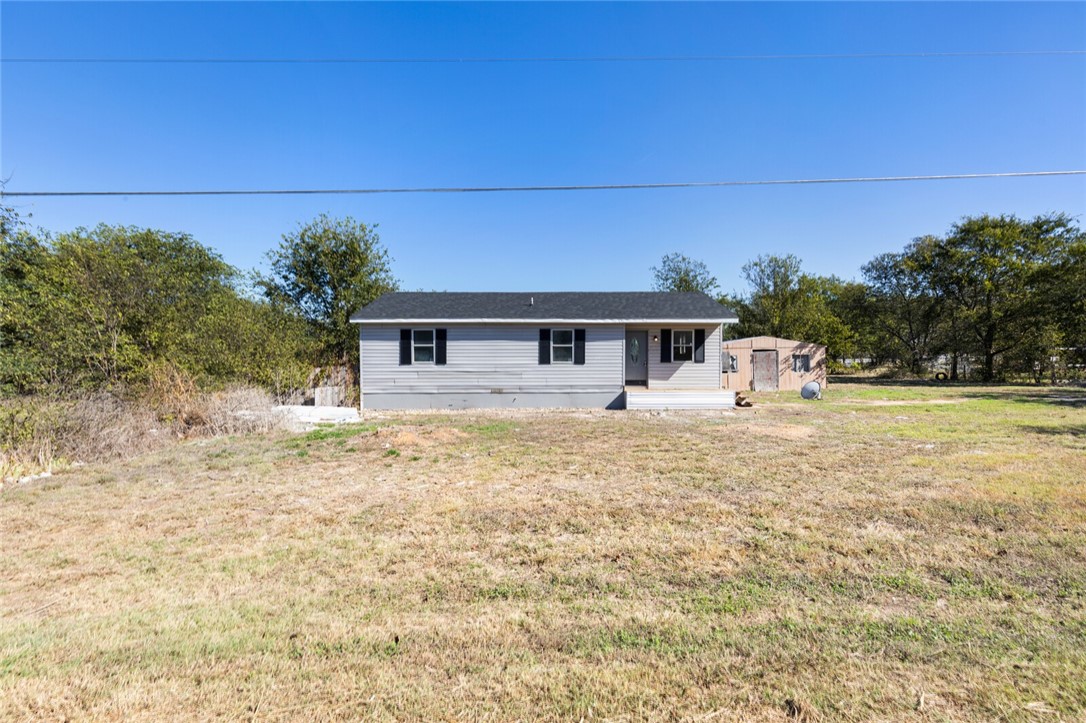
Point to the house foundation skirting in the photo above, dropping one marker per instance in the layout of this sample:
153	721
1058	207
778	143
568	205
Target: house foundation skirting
615	399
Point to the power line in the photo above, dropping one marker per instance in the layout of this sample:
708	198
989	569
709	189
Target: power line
543	59
505	189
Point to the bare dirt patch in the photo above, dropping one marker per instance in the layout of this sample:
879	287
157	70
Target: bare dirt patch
777	431
412	436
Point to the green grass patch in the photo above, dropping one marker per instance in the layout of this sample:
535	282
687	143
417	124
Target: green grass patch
491	429
337	431
504	591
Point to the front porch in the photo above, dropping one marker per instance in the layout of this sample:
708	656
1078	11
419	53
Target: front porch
638	397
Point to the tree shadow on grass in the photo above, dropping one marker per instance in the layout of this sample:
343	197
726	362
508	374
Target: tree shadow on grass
890	382
1073	430
1073	397
1069	396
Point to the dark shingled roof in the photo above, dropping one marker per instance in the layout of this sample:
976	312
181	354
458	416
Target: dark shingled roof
545	305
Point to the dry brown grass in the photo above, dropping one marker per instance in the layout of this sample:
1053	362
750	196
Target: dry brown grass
825	561
38	434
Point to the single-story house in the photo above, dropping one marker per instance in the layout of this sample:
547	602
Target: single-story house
768	363
446	350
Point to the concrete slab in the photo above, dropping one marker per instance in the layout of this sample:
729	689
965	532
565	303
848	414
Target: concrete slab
305	417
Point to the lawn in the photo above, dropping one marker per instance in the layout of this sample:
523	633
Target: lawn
888	553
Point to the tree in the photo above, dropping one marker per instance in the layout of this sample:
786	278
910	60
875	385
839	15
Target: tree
326	270
105	307
10	221
1069	304
22	254
772	305
785	302
677	272
97	306
903	305
130	295
1002	277
844	324
1002	289
253	341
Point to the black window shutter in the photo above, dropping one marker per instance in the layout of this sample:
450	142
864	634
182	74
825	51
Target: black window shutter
544	346
699	346
578	346
405	346
665	346
441	337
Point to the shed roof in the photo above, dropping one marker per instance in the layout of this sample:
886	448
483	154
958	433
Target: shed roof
540	306
771	341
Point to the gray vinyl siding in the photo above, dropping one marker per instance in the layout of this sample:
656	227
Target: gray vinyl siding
686	375
492	359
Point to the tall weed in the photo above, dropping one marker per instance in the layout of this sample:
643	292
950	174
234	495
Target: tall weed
38	433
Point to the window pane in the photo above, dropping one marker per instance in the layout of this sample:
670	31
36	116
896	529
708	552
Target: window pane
682	344
562	336
424	336
733	363
424	353
563	353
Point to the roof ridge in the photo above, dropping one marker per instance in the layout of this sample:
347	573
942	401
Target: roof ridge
529	306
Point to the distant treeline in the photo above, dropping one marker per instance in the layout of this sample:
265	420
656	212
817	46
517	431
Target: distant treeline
121	307
996	297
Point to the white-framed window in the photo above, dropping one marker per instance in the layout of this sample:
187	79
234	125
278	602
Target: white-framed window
731	362
682	345
801	362
562	346
422	346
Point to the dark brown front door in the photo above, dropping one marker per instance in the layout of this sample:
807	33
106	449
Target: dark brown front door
766	374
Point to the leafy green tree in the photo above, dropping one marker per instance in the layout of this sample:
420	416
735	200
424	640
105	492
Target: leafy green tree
10	221
783	301
677	272
1069	304
326	270
103	307
22	254
1001	289
130	295
251	340
851	303
832	322
903	305
1002	277
772	304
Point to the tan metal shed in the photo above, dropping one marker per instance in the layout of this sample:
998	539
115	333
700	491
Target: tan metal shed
769	363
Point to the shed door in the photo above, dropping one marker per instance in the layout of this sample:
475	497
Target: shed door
766	375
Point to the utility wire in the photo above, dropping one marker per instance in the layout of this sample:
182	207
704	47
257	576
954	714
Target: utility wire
544	59
504	189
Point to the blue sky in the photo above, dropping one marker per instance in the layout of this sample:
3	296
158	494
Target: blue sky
129	127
